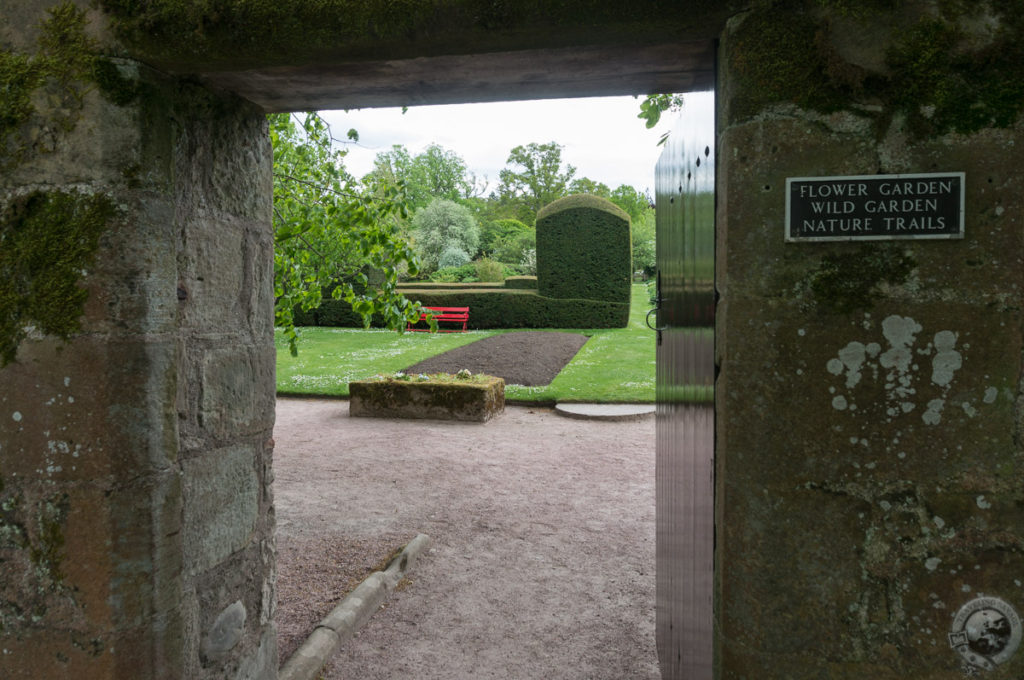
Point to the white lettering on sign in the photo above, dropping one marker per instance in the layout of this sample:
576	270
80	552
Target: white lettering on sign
875	207
832	225
829	190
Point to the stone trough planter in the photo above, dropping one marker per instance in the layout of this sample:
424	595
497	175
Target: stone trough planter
442	397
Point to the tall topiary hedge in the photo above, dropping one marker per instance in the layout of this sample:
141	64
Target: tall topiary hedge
584	250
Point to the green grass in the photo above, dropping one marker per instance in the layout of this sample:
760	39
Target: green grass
615	365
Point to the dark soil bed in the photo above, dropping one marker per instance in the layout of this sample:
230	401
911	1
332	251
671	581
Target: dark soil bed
521	358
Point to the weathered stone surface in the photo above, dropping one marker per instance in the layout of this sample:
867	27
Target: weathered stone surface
88	411
237	391
262	665
225	633
837	558
456	51
221	498
868	420
439	400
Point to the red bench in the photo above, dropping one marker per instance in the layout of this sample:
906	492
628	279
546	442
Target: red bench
449	314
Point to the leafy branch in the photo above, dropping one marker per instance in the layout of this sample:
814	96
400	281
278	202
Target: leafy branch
329	232
654	105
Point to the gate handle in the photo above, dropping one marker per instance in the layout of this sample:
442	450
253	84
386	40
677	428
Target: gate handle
647	319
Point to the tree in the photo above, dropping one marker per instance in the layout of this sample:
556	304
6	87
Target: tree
512	249
643	234
328	230
442	173
533	177
443	228
391	167
634	202
435	173
585	185
452	256
494	231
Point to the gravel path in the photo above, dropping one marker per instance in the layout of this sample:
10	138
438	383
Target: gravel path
542	564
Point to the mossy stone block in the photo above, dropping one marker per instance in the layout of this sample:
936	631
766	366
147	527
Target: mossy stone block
477	401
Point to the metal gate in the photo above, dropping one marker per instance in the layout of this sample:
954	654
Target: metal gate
683	317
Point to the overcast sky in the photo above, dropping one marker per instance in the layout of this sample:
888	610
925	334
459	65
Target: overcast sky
601	136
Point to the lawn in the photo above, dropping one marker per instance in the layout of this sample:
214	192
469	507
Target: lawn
615	365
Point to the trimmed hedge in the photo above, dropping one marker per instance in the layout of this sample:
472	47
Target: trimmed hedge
431	285
511	308
517	282
491	308
521	282
584	249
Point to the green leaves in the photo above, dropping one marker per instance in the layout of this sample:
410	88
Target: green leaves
330	233
654	105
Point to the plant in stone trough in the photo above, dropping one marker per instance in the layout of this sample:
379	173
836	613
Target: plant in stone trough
328	231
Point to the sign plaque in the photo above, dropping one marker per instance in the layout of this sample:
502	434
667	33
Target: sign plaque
875	207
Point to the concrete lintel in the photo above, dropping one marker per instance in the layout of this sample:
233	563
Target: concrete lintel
499	76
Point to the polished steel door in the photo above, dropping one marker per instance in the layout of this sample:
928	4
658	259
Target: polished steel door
684	322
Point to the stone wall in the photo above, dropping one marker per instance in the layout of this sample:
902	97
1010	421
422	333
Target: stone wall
136	517
869	406
869	443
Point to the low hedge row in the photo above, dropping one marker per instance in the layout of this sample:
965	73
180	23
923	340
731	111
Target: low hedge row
491	308
516	282
521	282
432	285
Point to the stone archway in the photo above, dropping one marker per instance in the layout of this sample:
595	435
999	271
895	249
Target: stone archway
136	522
136	463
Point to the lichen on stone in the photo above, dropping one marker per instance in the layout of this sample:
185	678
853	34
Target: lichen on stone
47	241
47	550
32	538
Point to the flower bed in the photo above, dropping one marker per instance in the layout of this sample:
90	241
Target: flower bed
441	396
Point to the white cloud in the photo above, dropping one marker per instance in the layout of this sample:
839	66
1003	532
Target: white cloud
602	137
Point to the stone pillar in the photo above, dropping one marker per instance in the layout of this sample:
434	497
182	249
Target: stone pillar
136	520
870	469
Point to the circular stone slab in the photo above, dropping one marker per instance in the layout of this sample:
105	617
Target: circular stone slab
606	411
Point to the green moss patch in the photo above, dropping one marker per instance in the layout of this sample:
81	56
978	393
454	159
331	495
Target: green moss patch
936	75
466	378
47	242
20	75
941	84
67	63
781	54
440	396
